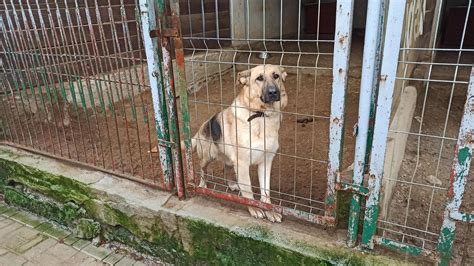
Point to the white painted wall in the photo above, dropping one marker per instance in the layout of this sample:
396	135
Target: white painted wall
253	18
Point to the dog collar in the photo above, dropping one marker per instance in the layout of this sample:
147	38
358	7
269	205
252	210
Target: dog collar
257	114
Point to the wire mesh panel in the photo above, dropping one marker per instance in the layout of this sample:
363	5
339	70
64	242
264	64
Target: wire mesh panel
223	42
437	74
74	84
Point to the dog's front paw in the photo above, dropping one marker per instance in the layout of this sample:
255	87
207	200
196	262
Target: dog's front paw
202	183
273	217
233	185
256	212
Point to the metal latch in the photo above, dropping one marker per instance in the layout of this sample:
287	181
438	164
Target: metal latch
170	28
167	144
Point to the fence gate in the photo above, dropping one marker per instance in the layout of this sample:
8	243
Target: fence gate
74	85
425	197
222	38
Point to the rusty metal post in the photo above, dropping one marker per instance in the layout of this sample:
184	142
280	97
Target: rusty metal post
181	85
152	51
370	71
169	28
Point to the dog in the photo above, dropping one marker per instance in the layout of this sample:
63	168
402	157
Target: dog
246	133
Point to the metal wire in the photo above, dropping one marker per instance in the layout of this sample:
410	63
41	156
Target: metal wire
433	134
74	84
298	171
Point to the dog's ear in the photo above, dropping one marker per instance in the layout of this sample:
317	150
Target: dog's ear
244	77
283	73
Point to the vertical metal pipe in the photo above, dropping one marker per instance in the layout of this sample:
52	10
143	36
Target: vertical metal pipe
342	47
148	23
388	71
144	99
181	84
370	67
169	87
459	174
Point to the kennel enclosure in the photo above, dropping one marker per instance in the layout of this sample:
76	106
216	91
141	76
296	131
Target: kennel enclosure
117	85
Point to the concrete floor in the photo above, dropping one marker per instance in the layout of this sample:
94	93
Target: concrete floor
28	240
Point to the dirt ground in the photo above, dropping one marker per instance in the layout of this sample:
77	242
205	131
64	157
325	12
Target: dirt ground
117	139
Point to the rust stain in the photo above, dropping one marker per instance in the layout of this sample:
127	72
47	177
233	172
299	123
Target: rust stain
343	39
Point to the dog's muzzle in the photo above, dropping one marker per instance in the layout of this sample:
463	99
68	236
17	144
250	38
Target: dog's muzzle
271	94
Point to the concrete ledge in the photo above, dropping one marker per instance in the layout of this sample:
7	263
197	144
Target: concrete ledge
396	144
153	222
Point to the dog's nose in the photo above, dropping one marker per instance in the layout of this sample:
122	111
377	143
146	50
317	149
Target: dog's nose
272	94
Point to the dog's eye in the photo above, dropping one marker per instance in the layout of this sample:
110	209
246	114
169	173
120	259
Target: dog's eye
275	76
260	78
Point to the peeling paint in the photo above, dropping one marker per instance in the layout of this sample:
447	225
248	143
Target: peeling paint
339	87
167	36
181	85
391	52
148	24
371	60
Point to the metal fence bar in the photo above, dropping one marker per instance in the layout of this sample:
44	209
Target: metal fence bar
459	174
384	106
89	81
342	47
183	98
108	80
129	50
370	68
21	92
31	77
169	87
148	23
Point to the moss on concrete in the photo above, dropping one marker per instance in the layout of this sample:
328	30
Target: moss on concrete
86	228
174	238
63	214
219	246
167	248
57	187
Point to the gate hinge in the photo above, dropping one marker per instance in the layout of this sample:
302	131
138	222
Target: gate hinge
170	28
167	144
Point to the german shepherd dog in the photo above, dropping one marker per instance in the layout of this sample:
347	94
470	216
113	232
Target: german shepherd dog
246	133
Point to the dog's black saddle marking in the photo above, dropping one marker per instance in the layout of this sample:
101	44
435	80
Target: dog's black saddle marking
213	128
257	114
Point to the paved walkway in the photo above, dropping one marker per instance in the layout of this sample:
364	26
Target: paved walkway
28	240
